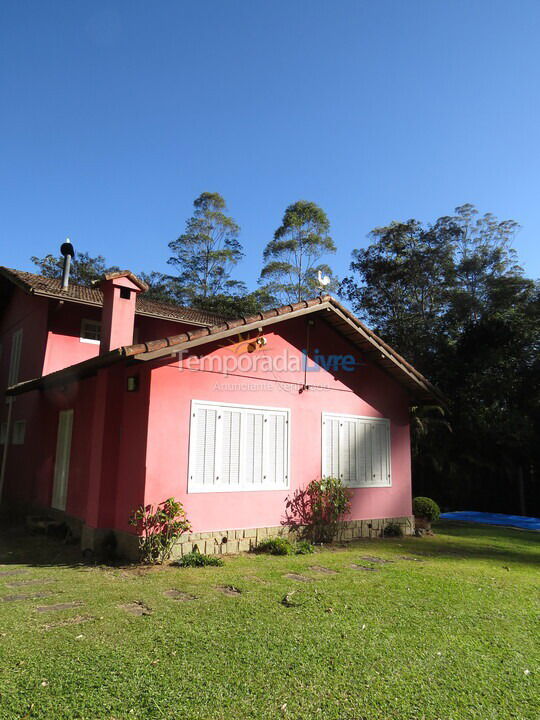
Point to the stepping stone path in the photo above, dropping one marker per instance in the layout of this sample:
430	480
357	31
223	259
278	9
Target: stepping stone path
77	620
179	595
367	568
136	608
32	596
18	571
59	606
322	570
412	559
298	577
24	583
373	559
230	590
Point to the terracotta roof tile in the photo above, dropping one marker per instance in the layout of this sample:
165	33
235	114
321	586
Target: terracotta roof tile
52	287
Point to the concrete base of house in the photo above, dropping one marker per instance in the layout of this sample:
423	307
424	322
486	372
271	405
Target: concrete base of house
218	542
230	542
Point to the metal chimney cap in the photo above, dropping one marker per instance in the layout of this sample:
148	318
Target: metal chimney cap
67	248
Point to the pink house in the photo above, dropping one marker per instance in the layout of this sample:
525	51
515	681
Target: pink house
112	401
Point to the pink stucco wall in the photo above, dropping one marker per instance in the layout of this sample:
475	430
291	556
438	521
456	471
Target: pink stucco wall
367	392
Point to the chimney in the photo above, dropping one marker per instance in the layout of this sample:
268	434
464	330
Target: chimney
120	290
68	252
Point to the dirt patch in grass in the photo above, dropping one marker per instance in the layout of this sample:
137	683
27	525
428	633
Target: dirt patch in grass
4	573
230	590
59	606
179	595
298	577
30	596
322	570
34	581
137	608
77	620
367	568
374	559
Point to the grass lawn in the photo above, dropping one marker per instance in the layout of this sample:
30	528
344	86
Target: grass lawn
447	630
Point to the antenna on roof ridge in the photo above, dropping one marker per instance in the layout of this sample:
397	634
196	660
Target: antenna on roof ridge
68	251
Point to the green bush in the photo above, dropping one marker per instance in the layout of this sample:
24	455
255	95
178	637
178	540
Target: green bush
316	511
197	559
158	529
393	530
426	507
304	548
275	546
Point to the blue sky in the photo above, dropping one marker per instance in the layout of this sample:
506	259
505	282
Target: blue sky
116	115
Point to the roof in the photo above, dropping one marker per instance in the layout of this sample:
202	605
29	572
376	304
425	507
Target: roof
123	274
52	287
371	346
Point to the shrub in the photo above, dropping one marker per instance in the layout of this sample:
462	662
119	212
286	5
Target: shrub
426	507
304	548
197	559
393	530
159	528
275	546
316	511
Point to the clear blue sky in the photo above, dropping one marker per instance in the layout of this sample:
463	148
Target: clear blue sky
117	114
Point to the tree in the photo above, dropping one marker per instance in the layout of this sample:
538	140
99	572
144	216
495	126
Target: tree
161	287
452	299
292	258
84	268
235	306
206	253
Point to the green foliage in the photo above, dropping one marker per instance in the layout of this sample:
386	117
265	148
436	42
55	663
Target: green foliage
206	253
84	268
275	546
235	306
453	300
159	528
292	258
195	559
427	508
392	529
304	547
315	512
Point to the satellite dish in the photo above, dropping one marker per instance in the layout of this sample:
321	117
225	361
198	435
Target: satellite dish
324	280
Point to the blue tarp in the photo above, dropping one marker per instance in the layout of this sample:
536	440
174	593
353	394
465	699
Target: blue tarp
519	521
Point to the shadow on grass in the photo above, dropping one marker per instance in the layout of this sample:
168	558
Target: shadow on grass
489	542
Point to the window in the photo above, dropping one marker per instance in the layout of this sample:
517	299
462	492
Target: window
356	449
15	358
91	331
125	293
236	447
19	432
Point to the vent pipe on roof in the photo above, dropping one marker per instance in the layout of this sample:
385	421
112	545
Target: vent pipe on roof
68	252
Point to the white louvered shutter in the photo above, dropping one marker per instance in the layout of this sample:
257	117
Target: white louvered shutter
276	451
204	446
230	448
15	357
61	464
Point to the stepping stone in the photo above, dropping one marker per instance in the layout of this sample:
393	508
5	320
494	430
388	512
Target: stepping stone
230	590
12	572
33	596
298	577
136	608
322	570
411	559
59	606
373	559
179	595
24	583
367	568
77	620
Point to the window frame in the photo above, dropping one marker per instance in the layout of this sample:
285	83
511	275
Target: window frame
15	438
193	488
367	419
14	370
85	322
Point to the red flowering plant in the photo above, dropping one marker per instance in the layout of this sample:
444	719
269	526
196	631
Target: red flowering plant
316	511
158	528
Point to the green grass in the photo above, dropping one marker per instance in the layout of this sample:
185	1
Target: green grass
447	638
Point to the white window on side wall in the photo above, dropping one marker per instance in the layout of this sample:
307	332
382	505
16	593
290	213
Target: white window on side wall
91	331
15	357
356	450
19	432
238	448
